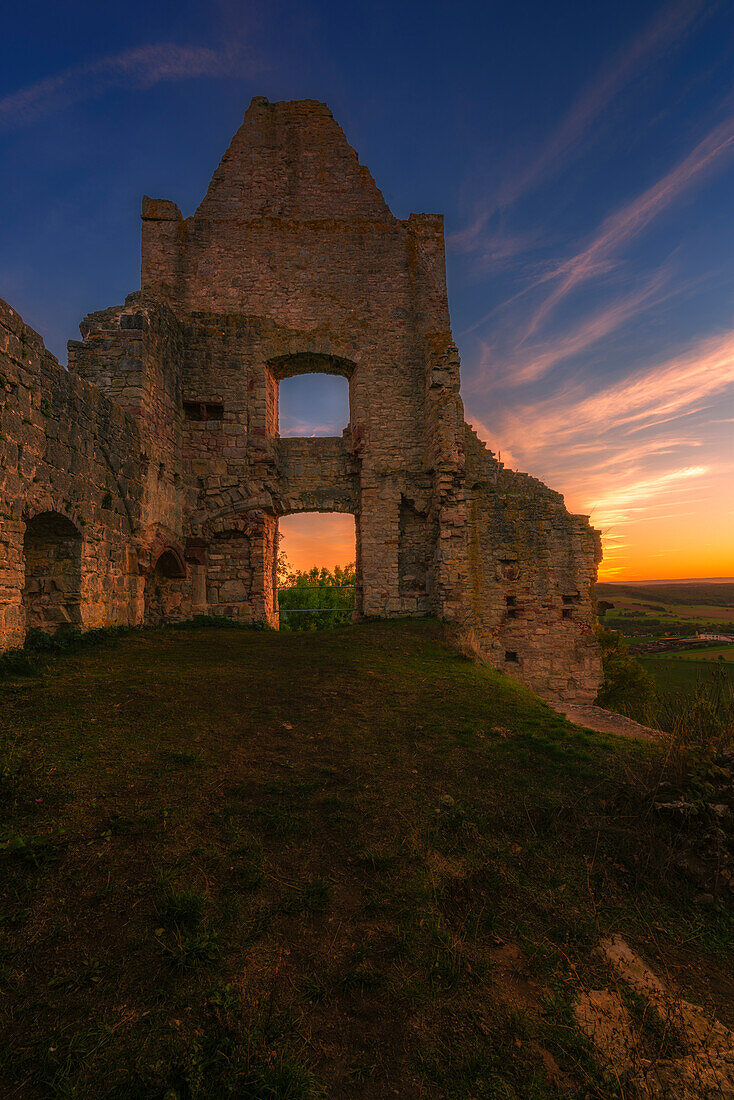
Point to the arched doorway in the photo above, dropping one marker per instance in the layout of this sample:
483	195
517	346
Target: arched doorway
165	589
316	582
52	549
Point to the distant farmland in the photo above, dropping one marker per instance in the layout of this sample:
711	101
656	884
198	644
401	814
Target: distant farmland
662	608
681	593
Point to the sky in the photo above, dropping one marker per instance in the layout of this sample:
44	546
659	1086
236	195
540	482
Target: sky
583	157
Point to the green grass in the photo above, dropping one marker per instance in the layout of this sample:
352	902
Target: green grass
241	863
680	673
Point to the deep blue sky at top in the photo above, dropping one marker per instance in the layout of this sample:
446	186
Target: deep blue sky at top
534	127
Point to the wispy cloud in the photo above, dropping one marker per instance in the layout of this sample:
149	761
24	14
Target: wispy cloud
533	361
667	28
622	504
140	68
597	257
308	429
679	387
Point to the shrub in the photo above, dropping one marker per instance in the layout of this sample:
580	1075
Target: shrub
627	688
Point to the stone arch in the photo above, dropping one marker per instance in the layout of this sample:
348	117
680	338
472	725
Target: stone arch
52	552
165	587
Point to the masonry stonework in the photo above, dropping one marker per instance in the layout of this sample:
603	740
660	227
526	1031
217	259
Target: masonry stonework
145	483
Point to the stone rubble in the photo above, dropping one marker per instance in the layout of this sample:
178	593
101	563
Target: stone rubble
700	1062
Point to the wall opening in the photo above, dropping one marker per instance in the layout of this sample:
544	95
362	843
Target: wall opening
313	405
201	412
316	585
165	589
308	394
52	548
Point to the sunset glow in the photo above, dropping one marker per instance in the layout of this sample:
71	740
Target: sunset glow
313	538
583	157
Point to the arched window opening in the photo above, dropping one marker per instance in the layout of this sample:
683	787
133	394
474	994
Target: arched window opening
169	566
312	405
317	576
165	589
52	549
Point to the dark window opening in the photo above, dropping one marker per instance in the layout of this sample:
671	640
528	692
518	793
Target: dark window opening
571	599
511	656
566	613
202	411
511	613
169	565
510	600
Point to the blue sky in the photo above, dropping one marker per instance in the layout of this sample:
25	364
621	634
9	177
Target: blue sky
583	156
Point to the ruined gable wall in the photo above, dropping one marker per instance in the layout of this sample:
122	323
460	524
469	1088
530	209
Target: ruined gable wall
294	230
294	249
532	568
65	448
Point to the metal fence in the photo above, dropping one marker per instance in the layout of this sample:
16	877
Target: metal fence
320	617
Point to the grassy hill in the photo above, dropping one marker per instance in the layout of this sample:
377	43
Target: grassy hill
346	864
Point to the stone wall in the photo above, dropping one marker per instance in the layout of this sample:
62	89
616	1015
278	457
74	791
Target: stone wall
532	568
70	495
292	264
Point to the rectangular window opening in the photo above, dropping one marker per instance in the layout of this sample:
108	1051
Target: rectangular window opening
203	411
566	613
511	656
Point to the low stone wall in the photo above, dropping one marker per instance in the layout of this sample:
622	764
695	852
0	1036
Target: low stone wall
70	493
532	568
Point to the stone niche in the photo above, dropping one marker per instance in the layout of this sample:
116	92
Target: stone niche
145	483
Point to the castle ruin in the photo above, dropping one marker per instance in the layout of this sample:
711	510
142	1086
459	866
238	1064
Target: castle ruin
145	483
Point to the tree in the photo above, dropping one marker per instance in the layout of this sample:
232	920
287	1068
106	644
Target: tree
316	598
628	688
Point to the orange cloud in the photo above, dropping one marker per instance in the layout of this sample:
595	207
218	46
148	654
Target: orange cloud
623	454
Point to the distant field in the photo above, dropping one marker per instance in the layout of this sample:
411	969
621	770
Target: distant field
682	675
695	594
713	654
657	609
707	613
